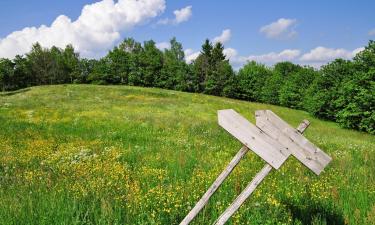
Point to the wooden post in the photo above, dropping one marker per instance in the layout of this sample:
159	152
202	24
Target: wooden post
219	180
244	195
274	141
251	186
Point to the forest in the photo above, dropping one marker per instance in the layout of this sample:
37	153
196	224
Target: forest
342	90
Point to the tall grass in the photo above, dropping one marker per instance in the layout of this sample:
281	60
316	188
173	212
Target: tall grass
82	154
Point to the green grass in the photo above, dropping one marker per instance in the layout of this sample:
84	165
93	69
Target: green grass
82	154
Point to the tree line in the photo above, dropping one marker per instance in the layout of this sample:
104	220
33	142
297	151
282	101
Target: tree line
341	91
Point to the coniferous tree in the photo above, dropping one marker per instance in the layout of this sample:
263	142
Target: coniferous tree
220	72
202	67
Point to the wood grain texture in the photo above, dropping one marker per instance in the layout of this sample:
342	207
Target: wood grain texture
251	186
305	151
303	126
219	180
254	138
244	195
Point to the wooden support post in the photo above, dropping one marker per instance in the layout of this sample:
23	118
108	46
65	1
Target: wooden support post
251	186
303	126
244	195
219	180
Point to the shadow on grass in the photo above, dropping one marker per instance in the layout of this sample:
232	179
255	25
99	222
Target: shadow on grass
9	93
310	212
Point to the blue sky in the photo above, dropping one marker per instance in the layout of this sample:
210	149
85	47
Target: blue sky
309	32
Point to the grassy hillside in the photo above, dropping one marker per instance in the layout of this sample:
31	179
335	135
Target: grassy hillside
124	155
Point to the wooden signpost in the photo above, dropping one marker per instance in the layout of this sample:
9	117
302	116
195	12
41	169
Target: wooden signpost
274	141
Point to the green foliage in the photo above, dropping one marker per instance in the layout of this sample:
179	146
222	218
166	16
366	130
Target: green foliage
250	81
6	73
212	72
341	91
324	91
357	102
293	91
219	73
174	73
274	83
356	98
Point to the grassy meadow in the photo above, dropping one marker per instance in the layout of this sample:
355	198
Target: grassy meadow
84	154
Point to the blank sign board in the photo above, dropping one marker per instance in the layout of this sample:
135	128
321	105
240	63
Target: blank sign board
254	138
273	139
305	151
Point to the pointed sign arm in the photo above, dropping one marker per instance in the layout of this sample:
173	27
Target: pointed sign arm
220	179
245	194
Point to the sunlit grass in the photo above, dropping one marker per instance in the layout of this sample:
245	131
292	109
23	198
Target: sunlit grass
80	154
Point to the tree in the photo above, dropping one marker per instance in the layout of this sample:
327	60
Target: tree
356	101
211	71
22	75
293	90
41	63
6	74
272	86
250	79
151	62
365	60
221	72
202	67
134	49
100	72
174	73
324	91
70	60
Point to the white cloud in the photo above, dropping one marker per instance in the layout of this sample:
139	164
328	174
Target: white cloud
281	29
357	50
273	57
268	58
181	15
96	29
190	55
323	54
372	32
316	57
224	37
230	53
163	45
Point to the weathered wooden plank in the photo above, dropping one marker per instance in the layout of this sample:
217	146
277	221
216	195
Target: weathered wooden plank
244	195
306	152
251	186
303	126
254	138
204	200
219	180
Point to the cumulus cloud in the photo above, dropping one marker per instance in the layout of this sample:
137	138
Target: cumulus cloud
191	55
96	29
181	15
163	45
268	58
274	57
224	37
280	29
230	53
323	54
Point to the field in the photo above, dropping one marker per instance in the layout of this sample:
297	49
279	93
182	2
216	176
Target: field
82	154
